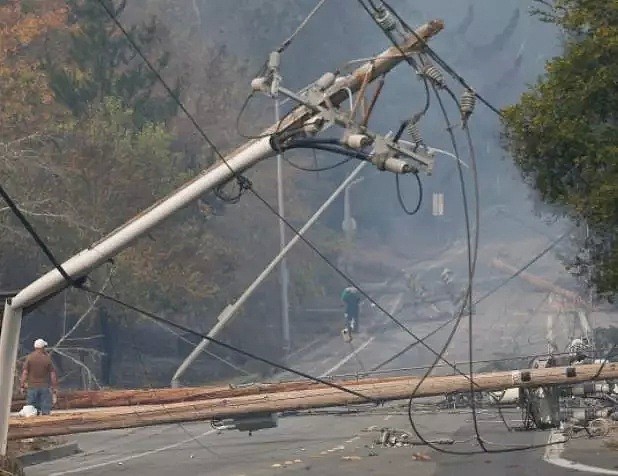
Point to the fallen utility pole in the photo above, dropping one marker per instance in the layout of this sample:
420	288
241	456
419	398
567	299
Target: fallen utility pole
318	396
237	162
538	282
84	399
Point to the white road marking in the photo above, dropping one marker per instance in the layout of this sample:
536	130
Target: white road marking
394	309
553	455
132	457
343	361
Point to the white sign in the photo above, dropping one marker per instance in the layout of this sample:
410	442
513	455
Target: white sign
438	204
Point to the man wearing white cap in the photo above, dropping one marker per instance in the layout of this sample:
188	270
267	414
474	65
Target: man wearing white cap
39	378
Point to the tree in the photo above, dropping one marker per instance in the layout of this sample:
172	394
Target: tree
563	133
100	62
26	97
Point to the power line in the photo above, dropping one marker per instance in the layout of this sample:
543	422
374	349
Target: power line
300	27
467	301
440	61
233	348
35	236
242	183
415	210
468	296
426	47
546	250
478	300
316	169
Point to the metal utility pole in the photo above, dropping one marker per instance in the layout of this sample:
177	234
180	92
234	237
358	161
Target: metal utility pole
283	269
349	224
230	311
235	163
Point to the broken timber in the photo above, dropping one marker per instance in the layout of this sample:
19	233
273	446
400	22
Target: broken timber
539	282
83	399
316	396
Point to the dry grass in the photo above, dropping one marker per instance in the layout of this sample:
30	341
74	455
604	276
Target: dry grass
10	467
19	447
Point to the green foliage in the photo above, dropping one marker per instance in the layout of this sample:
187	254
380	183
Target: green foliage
606	337
564	135
102	63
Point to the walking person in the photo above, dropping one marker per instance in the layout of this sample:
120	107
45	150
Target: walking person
39	379
351	299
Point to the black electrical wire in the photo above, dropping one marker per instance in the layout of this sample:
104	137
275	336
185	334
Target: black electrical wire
400	197
484	448
328	148
440	61
300	27
35	236
257	195
194	438
546	250
317	169
472	258
408	60
251	355
260	136
471	277
112	15
414	344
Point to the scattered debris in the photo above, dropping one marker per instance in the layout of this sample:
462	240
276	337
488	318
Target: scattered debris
394	438
351	458
421	457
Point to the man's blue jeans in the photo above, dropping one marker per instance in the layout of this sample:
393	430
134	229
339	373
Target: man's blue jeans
40	398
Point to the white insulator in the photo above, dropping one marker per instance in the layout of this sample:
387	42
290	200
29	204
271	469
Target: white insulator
467	103
434	74
259	84
414	132
341	80
385	19
357	141
274	60
326	81
396	166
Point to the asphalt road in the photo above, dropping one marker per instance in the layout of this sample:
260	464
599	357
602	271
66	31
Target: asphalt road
321	444
511	322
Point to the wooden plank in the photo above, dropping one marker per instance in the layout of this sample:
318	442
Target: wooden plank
396	388
131	397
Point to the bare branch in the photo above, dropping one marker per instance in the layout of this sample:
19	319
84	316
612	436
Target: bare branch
81	364
81	349
85	314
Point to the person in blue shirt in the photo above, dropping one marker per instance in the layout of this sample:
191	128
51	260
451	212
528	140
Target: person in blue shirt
351	298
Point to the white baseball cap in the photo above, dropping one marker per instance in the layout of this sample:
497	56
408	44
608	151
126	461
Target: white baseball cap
40	344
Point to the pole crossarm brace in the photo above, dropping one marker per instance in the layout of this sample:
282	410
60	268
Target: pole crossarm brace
239	160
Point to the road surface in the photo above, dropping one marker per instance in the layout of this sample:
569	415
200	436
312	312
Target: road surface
510	322
338	443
